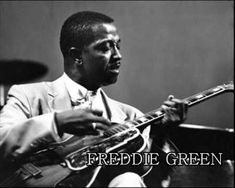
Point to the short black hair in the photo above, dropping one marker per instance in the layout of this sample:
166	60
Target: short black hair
77	29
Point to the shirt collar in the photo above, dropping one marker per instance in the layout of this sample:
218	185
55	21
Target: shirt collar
76	91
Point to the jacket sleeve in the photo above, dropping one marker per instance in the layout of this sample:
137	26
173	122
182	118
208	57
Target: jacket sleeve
20	132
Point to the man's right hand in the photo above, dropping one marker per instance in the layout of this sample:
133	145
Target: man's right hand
80	122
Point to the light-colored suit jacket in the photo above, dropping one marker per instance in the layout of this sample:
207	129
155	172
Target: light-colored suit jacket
27	119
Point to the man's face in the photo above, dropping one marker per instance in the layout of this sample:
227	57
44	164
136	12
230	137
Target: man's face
101	58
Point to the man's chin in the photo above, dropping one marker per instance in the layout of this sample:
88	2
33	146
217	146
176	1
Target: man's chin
110	80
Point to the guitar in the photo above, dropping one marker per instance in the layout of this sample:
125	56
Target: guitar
60	161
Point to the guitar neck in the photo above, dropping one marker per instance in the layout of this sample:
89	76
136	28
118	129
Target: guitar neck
156	116
202	96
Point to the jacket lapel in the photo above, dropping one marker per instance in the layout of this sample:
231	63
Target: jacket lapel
58	96
114	112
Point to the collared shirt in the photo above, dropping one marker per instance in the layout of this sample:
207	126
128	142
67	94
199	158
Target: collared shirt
79	93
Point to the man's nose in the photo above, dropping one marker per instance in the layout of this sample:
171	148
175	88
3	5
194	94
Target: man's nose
116	53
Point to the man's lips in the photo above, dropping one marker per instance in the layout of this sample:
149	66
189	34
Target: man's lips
114	67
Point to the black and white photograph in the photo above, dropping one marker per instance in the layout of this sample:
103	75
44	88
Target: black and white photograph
116	94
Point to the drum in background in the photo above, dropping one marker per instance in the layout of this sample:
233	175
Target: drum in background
17	71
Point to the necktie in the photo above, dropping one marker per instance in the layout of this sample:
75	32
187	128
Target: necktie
85	101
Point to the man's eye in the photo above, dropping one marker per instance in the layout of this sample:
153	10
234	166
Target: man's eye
104	47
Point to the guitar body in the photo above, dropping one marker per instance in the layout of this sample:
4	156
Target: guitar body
72	169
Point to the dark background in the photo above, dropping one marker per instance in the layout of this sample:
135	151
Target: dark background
177	47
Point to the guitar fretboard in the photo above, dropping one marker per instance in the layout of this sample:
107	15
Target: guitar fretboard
156	116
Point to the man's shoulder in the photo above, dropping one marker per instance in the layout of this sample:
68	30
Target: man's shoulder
30	88
33	91
34	88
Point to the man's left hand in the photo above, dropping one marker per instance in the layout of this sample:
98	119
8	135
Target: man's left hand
175	111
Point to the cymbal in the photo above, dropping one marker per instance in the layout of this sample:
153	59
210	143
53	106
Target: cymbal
19	71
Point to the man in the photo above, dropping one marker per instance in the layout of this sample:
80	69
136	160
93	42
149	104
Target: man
39	114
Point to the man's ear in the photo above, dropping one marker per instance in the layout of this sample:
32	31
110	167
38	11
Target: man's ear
75	53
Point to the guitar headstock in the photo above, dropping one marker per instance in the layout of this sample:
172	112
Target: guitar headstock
228	86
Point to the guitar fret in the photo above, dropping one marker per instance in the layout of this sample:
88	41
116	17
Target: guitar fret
154	115
143	119
148	116
192	99
139	121
199	96
216	89
134	122
208	92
